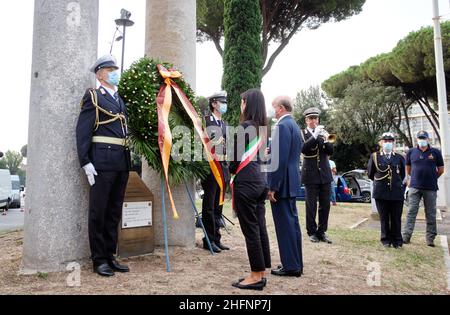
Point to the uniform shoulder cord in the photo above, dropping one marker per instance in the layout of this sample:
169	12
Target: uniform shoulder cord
388	170
316	148
94	99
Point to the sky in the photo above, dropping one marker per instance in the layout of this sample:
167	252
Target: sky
311	57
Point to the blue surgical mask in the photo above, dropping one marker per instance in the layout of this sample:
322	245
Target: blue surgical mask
388	146
223	108
113	78
422	143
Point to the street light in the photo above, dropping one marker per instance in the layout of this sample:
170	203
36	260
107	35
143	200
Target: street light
124	21
442	102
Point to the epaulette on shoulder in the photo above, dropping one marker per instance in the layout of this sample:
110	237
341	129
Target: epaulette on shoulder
86	96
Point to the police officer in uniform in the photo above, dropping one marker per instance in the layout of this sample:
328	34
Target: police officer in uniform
211	210
104	156
316	175
387	170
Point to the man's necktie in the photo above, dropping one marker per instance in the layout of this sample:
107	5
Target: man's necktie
116	97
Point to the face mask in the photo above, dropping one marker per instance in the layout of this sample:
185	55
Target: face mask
422	143
223	108
271	112
388	146
113	78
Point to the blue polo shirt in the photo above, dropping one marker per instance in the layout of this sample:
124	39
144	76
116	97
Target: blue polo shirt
423	167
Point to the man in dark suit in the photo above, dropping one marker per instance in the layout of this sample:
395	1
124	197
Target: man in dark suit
103	153
316	176
284	183
216	129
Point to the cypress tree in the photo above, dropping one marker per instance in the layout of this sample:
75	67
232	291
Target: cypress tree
242	54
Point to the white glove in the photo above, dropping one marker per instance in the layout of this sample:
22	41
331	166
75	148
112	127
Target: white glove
318	131
90	171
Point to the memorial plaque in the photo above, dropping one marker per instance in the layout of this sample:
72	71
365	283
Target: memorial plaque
136	214
136	232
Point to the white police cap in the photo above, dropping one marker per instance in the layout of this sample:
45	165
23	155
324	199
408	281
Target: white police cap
312	111
106	61
219	96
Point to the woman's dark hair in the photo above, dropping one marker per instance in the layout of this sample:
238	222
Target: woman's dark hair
255	107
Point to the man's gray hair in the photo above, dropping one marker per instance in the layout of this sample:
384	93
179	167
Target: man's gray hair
284	101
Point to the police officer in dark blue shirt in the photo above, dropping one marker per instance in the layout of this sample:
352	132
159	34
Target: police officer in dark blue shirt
424	164
103	154
387	170
216	129
316	176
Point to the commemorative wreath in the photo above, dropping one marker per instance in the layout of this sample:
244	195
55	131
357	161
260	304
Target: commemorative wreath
139	87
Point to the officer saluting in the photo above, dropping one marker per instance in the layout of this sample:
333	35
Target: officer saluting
387	170
316	176
216	129
104	156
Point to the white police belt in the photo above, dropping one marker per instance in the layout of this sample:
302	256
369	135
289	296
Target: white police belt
110	140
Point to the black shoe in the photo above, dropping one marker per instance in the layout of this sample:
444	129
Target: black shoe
406	239
430	243
287	273
214	247
313	238
324	238
397	246
263	280
104	270
387	245
118	267
253	286
222	247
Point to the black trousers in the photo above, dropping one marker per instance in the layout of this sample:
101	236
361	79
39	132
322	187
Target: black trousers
250	200
312	191
391	221
105	211
211	211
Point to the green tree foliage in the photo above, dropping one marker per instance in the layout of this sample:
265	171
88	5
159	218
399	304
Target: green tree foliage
366	111
281	20
311	97
410	66
3	164
13	160
242	60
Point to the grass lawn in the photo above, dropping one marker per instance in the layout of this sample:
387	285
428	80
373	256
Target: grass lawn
341	268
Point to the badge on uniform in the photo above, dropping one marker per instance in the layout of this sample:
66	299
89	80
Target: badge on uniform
431	156
103	91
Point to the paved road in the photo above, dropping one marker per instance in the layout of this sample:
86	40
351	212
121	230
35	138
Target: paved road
12	221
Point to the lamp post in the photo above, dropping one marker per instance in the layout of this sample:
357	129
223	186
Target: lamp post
124	21
442	100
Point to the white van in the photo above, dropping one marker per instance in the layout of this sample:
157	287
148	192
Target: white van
15	192
5	189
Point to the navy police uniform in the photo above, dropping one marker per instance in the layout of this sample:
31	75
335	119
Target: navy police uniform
101	140
211	210
316	177
388	174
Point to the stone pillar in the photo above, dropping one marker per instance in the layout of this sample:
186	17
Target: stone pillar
171	36
64	46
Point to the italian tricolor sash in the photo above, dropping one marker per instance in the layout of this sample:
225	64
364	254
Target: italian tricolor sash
250	153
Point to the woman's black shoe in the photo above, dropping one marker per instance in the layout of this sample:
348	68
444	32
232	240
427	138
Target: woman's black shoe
253	286
263	280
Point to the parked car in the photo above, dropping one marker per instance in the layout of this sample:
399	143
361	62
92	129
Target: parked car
15	192
343	192
5	189
360	184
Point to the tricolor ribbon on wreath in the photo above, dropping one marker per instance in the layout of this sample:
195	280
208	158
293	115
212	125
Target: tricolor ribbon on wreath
164	103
